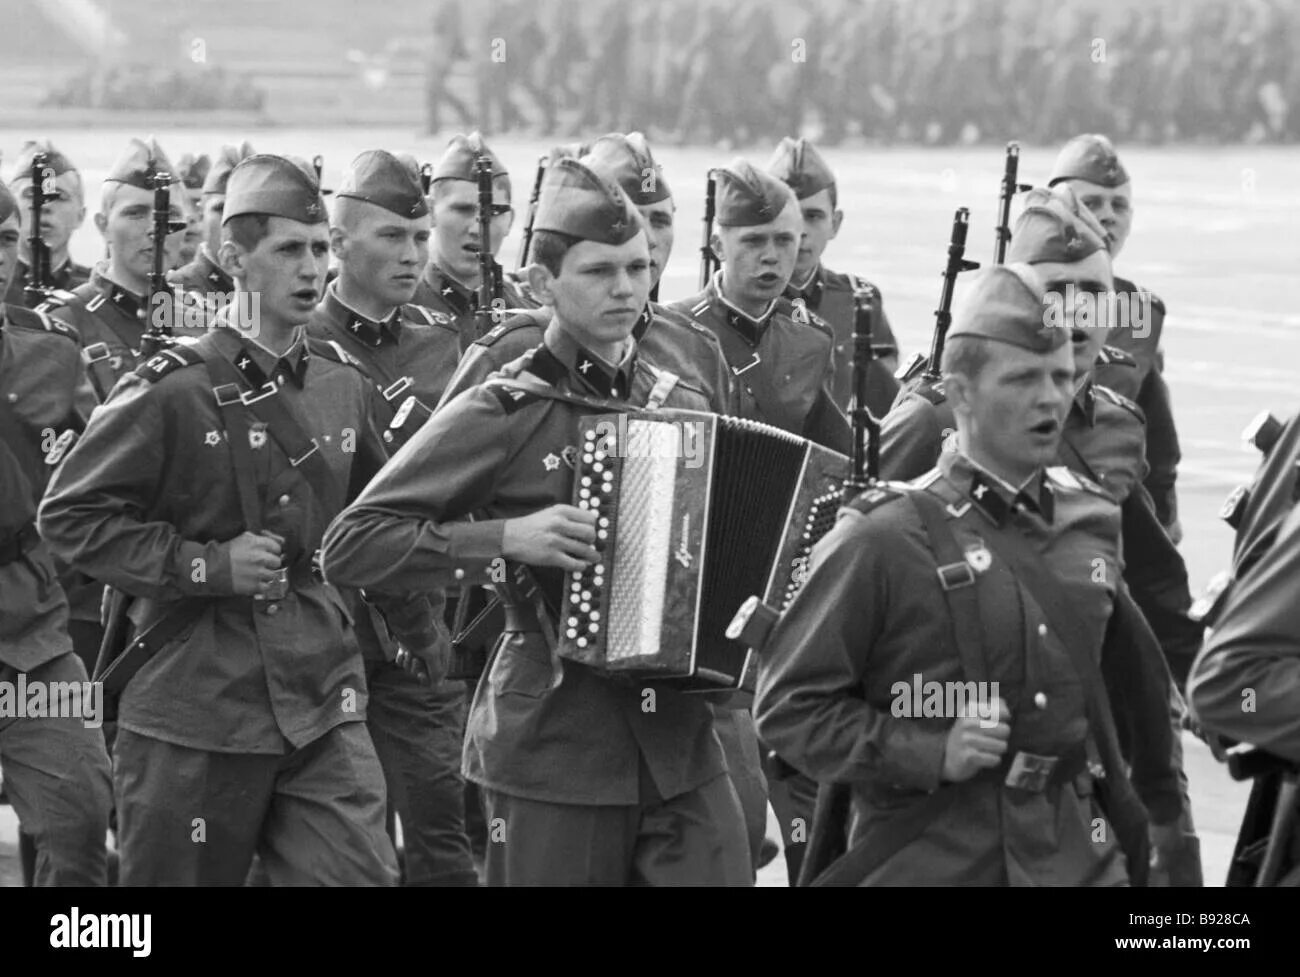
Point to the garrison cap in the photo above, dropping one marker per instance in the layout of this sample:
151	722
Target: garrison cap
1006	304
277	186
1055	227
132	167
193	170
391	182
582	203
627	160
457	161
1089	157
797	163
747	196
8	205
227	160
572	150
54	159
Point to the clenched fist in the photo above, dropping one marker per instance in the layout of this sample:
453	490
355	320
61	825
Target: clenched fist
973	745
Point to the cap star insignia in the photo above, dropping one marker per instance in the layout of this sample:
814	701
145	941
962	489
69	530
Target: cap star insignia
212	439
552	462
313	210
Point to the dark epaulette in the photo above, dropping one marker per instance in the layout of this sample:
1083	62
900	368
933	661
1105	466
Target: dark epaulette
933	392
39	321
1117	398
1068	478
165	361
523	319
874	497
426	316
330	350
512	398
1114	356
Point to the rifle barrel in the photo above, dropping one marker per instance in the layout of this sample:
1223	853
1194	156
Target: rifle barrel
39	267
526	246
957	263
707	257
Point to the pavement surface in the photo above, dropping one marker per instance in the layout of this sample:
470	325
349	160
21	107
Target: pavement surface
1214	236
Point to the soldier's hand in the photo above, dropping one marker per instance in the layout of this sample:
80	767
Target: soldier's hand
974	745
254	558
557	536
1175	531
428	663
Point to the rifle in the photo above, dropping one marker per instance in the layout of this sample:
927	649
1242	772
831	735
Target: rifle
865	461
1009	189
160	310
708	260
489	281
38	275
526	247
957	263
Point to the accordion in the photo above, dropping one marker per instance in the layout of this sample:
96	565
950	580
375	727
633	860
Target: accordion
695	513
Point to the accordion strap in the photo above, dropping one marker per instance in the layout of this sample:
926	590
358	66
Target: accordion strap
530	384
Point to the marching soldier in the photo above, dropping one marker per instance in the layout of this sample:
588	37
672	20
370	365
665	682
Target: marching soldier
665	338
451	280
192	171
582	783
780	355
380	236
204	275
201	489
109	310
828	293
56	769
980	580
1090	165
61	215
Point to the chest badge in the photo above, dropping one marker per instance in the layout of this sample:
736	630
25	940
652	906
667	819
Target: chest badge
212	439
979	558
552	462
257	436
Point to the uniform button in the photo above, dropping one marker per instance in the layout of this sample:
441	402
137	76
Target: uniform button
280	379
284	500
12	398
1042	630
1040	700
459	574
273	608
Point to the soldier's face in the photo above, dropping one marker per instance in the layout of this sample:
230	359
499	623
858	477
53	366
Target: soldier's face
380	254
286	270
757	262
1010	416
10	235
657	218
1113	208
128	230
821	222
600	291
61	214
213	206
1082	290
455	226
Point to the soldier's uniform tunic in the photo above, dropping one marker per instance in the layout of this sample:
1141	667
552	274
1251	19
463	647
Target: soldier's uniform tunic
865	620
416	728
591	787
56	770
205	276
441	293
782	368
67	277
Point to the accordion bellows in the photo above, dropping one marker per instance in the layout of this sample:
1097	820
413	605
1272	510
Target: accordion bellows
696	513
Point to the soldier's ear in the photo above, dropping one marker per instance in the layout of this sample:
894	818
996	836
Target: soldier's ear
957	387
715	242
837	219
539	281
101	223
231	258
338	242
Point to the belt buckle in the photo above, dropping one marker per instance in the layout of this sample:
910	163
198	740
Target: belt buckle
396	388
1029	771
278	589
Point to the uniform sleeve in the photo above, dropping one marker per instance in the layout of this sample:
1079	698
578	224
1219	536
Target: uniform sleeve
1163	451
408	532
911	439
95	515
808	703
1245	684
475	366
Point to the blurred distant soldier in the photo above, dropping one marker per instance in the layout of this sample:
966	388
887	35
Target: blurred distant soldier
757	50
491	48
708	56
192	171
678	25
559	52
204	275
62	212
447	48
610	50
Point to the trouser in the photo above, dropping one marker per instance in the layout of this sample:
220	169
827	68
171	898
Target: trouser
793	799
58	781
417	731
739	739
695	838
312	815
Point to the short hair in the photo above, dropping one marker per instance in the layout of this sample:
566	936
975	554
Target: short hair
499	181
835	197
549	248
966	356
247	230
